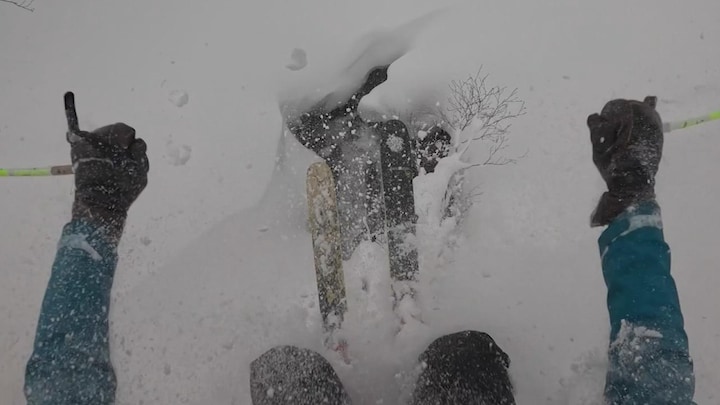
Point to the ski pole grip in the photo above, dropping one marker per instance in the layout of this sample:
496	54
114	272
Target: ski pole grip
71	113
73	133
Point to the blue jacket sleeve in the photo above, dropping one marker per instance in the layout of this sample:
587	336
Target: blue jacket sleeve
648	353
70	363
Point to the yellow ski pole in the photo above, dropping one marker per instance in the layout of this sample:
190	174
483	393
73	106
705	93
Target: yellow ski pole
675	125
73	129
37	171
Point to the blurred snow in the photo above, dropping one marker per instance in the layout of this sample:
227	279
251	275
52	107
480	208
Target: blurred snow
179	97
298	59
177	155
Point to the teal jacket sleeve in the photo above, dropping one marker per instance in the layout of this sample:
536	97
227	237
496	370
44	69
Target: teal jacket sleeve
70	363
649	362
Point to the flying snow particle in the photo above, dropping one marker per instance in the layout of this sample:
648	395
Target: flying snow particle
179	97
299	59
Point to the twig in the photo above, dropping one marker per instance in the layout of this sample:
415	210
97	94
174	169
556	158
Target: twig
24	4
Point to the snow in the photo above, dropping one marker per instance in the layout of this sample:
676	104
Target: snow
642	221
177	155
630	336
211	292
337	80
395	143
179	97
79	241
298	59
430	191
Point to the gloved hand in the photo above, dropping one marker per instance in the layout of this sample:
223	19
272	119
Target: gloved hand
111	169
627	141
375	77
434	146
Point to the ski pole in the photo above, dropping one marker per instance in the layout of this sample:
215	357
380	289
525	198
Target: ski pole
73	131
37	171
675	125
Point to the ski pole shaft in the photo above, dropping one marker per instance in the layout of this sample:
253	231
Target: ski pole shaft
37	171
675	125
72	133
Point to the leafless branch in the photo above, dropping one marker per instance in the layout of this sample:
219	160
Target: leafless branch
489	109
474	112
478	112
23	4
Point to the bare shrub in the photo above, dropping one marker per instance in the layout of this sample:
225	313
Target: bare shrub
477	111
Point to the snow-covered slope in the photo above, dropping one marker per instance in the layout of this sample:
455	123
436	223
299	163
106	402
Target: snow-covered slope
216	265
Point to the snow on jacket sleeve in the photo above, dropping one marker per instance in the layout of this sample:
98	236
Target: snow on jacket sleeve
648	353
70	363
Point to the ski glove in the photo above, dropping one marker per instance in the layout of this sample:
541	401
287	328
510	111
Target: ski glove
375	77
627	143
111	168
434	146
313	128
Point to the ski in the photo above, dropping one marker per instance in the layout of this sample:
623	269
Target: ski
398	170
327	249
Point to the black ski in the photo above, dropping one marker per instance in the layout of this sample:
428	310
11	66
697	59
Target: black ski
398	171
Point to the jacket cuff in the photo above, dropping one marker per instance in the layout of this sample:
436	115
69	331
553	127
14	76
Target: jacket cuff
633	217
96	241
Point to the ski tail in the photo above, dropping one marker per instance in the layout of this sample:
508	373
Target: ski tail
327	251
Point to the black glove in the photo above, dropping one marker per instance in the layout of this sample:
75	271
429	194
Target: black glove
111	169
627	142
313	128
434	146
375	77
